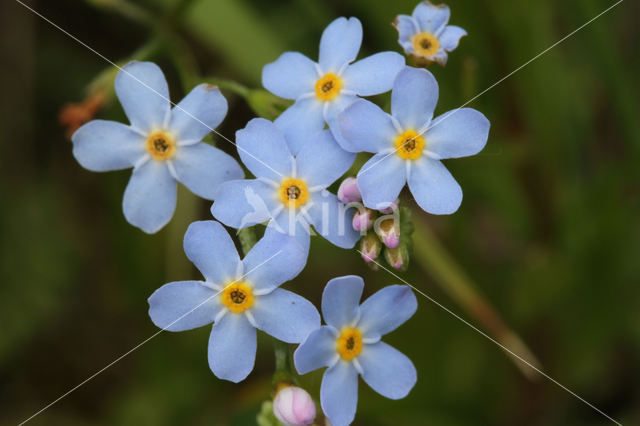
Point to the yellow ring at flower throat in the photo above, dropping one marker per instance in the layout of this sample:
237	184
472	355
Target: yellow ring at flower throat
349	343
328	87
237	297
293	192
161	145
409	145
425	44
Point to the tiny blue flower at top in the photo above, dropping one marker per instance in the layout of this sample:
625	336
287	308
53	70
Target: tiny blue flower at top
289	192
350	346
409	145
163	145
426	34
321	90
237	296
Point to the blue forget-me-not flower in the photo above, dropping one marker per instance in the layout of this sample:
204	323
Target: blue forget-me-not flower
237	296
409	145
321	90
162	144
350	346
426	35
289	192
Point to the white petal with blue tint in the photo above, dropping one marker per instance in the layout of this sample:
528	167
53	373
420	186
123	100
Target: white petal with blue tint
285	316
365	127
102	145
341	300
208	245
201	111
339	393
243	203
414	97
183	305
433	187
386	310
340	43
458	133
336	106
290	76
332	219
202	168
450	37
374	74
293	222
300	122
407	27
263	149
321	161
387	370
431	18
381	179
232	347
144	95
150	197
318	350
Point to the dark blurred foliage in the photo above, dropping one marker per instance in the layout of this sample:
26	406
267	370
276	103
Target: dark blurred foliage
548	230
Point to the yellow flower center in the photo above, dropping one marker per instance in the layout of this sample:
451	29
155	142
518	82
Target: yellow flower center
409	145
293	192
161	145
425	44
328	87
349	343
237	297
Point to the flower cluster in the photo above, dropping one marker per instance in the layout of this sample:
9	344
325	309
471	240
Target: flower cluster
293	162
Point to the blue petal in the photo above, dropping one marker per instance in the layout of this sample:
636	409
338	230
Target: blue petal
450	37
285	316
276	258
363	126
201	111
339	393
263	149
381	179
414	97
243	203
144	95
336	106
332	219
150	197
102	145
458	133
202	168
300	122
208	245
374	74
431	18
316	351
183	305
387	370
386	310
292	222
440	57
341	300
433	187
232	347
290	76
340	43
407	27
321	161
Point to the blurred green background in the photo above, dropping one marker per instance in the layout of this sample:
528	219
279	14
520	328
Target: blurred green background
549	229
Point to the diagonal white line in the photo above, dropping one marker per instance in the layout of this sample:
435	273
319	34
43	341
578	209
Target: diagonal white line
147	86
504	348
452	112
140	344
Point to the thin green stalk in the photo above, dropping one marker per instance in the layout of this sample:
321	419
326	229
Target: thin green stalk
230	85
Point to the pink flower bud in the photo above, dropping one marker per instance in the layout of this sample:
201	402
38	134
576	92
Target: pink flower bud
363	219
397	258
293	406
389	233
349	192
370	247
393	206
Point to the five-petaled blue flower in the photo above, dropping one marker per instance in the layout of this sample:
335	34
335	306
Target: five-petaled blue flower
163	145
289	191
321	90
409	144
350	345
237	296
426	34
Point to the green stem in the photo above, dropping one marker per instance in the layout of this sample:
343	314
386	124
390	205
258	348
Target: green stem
435	260
230	85
248	239
284	374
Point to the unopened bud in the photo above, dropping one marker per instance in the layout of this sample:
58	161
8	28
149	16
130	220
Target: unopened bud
392	207
363	219
370	247
397	258
389	233
293	406
349	192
